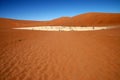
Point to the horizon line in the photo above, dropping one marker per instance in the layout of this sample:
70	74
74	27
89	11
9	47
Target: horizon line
59	17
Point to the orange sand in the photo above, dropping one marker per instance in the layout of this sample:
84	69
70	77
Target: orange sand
36	55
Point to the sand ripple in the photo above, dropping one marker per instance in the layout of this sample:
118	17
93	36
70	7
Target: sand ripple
35	55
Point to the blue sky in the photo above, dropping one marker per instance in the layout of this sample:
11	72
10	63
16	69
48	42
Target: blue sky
50	9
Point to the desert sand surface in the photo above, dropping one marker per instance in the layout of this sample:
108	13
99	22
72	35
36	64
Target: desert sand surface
42	55
60	55
86	19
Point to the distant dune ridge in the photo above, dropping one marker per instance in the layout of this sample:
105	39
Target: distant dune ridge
87	19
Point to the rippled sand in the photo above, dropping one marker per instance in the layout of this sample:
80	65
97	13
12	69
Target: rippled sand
39	55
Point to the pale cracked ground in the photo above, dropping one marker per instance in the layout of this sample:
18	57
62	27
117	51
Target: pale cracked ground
37	55
66	28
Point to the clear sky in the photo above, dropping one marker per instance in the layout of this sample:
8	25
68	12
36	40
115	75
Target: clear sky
50	9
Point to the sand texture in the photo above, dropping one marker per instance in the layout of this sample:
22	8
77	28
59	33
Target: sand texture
59	55
39	55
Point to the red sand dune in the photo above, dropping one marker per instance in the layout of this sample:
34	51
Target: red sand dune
87	19
42	55
91	19
96	19
8	23
60	21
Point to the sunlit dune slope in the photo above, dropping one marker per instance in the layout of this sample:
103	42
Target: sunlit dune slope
60	21
96	19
